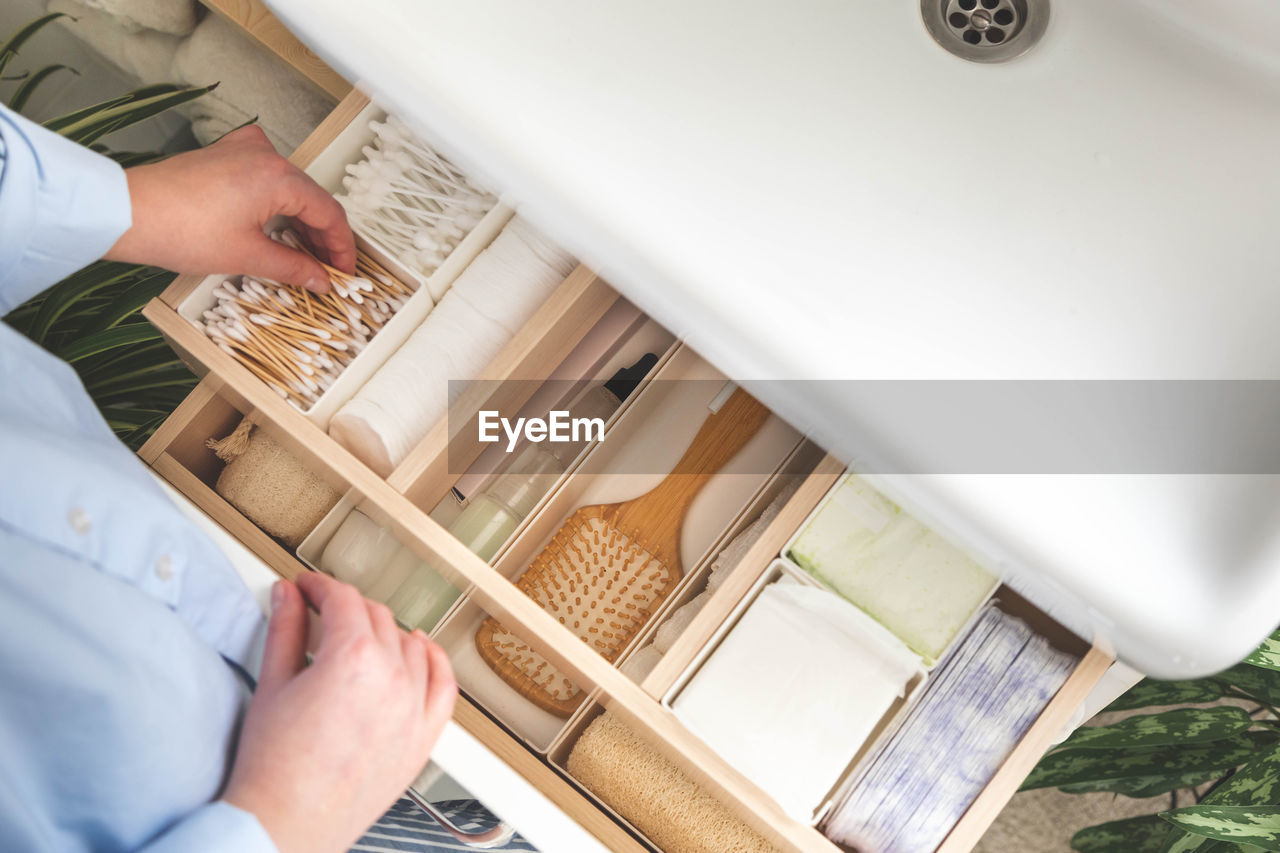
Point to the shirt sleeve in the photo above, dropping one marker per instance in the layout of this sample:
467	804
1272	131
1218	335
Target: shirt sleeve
61	207
216	828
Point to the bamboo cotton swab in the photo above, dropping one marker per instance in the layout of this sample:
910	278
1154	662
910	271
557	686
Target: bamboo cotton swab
296	341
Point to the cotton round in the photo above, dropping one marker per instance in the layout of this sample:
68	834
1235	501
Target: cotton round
492	299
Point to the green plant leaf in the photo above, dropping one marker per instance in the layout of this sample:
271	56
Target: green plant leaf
1267	655
173	374
1149	692
93	127
1262	684
28	88
62	297
129	303
1134	835
58	123
129	159
1257	825
105	341
11	47
1101	769
1257	783
1181	726
1142	787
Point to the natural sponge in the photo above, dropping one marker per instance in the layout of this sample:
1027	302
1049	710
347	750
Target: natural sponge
655	795
269	485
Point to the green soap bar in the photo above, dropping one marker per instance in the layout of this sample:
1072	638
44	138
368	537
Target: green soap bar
904	575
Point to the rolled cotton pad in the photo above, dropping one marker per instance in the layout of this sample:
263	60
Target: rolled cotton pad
654	795
640	664
794	690
909	578
678	621
490	301
272	488
358	551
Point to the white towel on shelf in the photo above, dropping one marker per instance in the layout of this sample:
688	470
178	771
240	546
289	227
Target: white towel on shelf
252	82
144	54
794	690
174	17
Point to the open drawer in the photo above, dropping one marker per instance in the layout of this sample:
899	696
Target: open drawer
407	502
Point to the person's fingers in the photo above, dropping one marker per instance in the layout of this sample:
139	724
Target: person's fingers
277	262
284	656
325	220
384	625
250	134
342	609
442	690
413	648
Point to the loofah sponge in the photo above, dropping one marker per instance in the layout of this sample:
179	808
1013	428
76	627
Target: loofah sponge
269	485
655	795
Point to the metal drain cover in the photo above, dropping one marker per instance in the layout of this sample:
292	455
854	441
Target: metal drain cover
986	30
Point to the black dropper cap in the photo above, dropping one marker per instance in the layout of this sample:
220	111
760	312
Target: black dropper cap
628	379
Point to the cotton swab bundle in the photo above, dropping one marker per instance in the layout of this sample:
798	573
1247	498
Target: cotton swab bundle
410	199
609	567
296	341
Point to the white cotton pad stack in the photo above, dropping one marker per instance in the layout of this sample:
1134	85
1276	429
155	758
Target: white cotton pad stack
979	703
914	582
487	305
794	690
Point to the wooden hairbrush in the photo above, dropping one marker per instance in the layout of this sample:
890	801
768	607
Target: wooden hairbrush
609	566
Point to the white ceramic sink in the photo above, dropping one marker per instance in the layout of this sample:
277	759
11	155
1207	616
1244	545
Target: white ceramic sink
817	190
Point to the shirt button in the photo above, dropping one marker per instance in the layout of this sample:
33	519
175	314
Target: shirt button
164	567
79	520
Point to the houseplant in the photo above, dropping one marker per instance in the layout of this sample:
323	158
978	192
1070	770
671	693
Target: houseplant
1218	761
92	318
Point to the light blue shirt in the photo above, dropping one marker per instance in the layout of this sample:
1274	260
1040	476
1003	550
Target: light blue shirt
118	708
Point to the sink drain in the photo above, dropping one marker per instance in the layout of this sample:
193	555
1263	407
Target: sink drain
986	30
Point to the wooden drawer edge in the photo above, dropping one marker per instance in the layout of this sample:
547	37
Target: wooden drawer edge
255	20
545	779
738	582
228	517
499	596
533	352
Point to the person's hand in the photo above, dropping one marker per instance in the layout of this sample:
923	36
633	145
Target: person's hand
327	748
203	212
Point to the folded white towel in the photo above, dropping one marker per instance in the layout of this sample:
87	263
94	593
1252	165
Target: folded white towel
144	54
175	17
254	82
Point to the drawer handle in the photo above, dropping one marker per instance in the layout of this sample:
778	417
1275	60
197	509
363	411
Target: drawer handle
482	840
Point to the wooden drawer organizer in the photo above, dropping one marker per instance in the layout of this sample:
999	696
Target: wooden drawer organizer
228	391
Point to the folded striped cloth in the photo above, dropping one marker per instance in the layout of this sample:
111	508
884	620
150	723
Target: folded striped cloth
978	704
406	828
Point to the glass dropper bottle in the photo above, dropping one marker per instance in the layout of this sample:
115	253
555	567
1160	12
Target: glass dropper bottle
493	515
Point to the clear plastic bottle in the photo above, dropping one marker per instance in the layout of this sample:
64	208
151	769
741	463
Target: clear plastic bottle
493	515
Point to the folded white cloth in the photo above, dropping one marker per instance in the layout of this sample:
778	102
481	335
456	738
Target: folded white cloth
794	690
914	582
253	82
144	54
175	17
